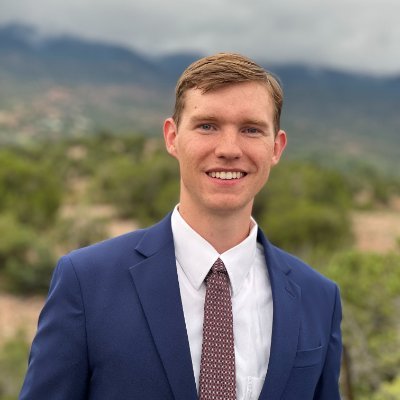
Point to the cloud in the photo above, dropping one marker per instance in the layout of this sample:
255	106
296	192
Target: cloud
361	35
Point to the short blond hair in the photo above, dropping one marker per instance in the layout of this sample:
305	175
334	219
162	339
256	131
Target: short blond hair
212	72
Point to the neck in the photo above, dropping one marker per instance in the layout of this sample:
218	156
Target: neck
222	230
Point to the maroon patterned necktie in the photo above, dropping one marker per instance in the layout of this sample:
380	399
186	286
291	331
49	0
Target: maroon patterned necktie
217	367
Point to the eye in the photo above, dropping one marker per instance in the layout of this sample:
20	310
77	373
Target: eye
252	131
206	127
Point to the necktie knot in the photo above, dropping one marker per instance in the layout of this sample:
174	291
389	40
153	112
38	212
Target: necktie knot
218	267
218	274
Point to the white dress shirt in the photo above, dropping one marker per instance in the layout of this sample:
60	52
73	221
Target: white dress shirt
251	301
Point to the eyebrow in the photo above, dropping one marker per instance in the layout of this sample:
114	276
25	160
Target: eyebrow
202	118
256	122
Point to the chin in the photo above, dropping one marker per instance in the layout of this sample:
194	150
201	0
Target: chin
228	207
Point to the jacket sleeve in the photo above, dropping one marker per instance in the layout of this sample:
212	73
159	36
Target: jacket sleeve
58	361
328	385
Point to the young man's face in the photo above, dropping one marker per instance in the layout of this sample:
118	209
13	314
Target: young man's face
225	146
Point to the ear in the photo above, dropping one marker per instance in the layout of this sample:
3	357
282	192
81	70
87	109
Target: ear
170	132
279	146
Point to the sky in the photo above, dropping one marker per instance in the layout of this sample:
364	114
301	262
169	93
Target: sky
356	35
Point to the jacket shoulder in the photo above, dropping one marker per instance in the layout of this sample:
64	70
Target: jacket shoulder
108	249
302	272
127	248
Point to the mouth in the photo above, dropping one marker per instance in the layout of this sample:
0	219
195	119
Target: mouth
226	175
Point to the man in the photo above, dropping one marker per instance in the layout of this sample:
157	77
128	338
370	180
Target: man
200	305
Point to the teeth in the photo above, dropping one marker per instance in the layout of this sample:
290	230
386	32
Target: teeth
226	175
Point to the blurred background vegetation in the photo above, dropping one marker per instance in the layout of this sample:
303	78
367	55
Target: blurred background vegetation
56	196
74	170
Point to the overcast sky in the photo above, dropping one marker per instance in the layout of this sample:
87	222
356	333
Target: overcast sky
361	35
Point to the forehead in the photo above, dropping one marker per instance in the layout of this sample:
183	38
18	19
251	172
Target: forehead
245	98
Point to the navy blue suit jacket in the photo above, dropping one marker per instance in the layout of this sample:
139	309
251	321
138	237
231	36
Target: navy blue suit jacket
113	326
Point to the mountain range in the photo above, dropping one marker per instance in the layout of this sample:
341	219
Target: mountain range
66	86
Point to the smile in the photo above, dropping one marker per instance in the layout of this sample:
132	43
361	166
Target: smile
226	175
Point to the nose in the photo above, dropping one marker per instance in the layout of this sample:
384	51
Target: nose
228	145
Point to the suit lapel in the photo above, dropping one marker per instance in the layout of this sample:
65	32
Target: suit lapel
156	282
286	323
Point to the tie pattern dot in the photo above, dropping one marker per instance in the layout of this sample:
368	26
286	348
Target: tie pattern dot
217	367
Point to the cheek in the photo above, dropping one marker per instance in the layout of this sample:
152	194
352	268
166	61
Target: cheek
186	160
192	152
264	156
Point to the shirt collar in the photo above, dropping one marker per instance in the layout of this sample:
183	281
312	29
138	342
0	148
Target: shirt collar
196	256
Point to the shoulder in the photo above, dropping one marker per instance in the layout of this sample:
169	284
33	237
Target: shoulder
109	248
319	294
314	285
122	251
299	269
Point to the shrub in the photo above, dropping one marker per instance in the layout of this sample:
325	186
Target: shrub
370	290
13	363
26	260
29	189
305	208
